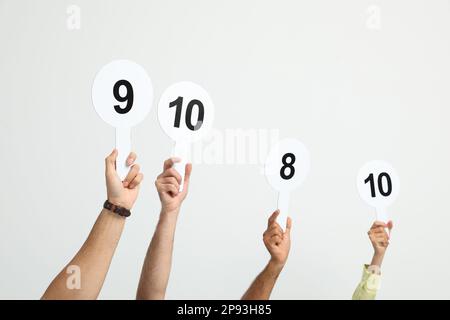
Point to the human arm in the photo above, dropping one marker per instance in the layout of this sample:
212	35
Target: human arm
278	244
370	281
85	274
158	260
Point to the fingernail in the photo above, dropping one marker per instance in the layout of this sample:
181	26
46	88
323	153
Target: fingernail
176	159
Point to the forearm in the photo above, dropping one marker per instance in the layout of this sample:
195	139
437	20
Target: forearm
377	259
92	260
262	286
158	261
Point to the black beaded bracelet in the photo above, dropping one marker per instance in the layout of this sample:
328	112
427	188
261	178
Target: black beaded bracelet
121	211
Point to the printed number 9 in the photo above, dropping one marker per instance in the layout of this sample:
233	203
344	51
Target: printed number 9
128	98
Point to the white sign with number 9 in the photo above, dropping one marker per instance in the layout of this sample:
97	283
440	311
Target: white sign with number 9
122	94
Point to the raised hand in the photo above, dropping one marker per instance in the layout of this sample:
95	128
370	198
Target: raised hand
168	186
277	242
122	193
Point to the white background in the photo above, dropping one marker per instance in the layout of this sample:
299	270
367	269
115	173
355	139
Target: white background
311	69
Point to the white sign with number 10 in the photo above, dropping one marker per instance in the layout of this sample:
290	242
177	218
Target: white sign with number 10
186	114
378	185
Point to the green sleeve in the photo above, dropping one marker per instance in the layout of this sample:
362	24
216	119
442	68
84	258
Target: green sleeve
368	287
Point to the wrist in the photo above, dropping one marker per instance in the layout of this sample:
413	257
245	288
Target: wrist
377	259
166	214
120	203
116	209
275	265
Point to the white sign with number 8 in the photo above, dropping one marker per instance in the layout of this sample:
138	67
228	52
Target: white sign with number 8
287	166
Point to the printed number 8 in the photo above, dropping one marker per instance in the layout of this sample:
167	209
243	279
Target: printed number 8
286	165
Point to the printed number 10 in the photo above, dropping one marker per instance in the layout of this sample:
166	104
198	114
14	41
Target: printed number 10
178	103
383	192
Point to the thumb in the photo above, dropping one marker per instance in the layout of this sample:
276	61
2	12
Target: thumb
389	225
288	226
187	177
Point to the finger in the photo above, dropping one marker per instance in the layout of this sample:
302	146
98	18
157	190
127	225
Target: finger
170	180
378	230
374	235
275	227
378	224
381	241
136	181
273	217
131	175
270	233
383	235
110	162
131	158
170	162
171	172
169	188
165	187
187	177
275	234
390	225
288	226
